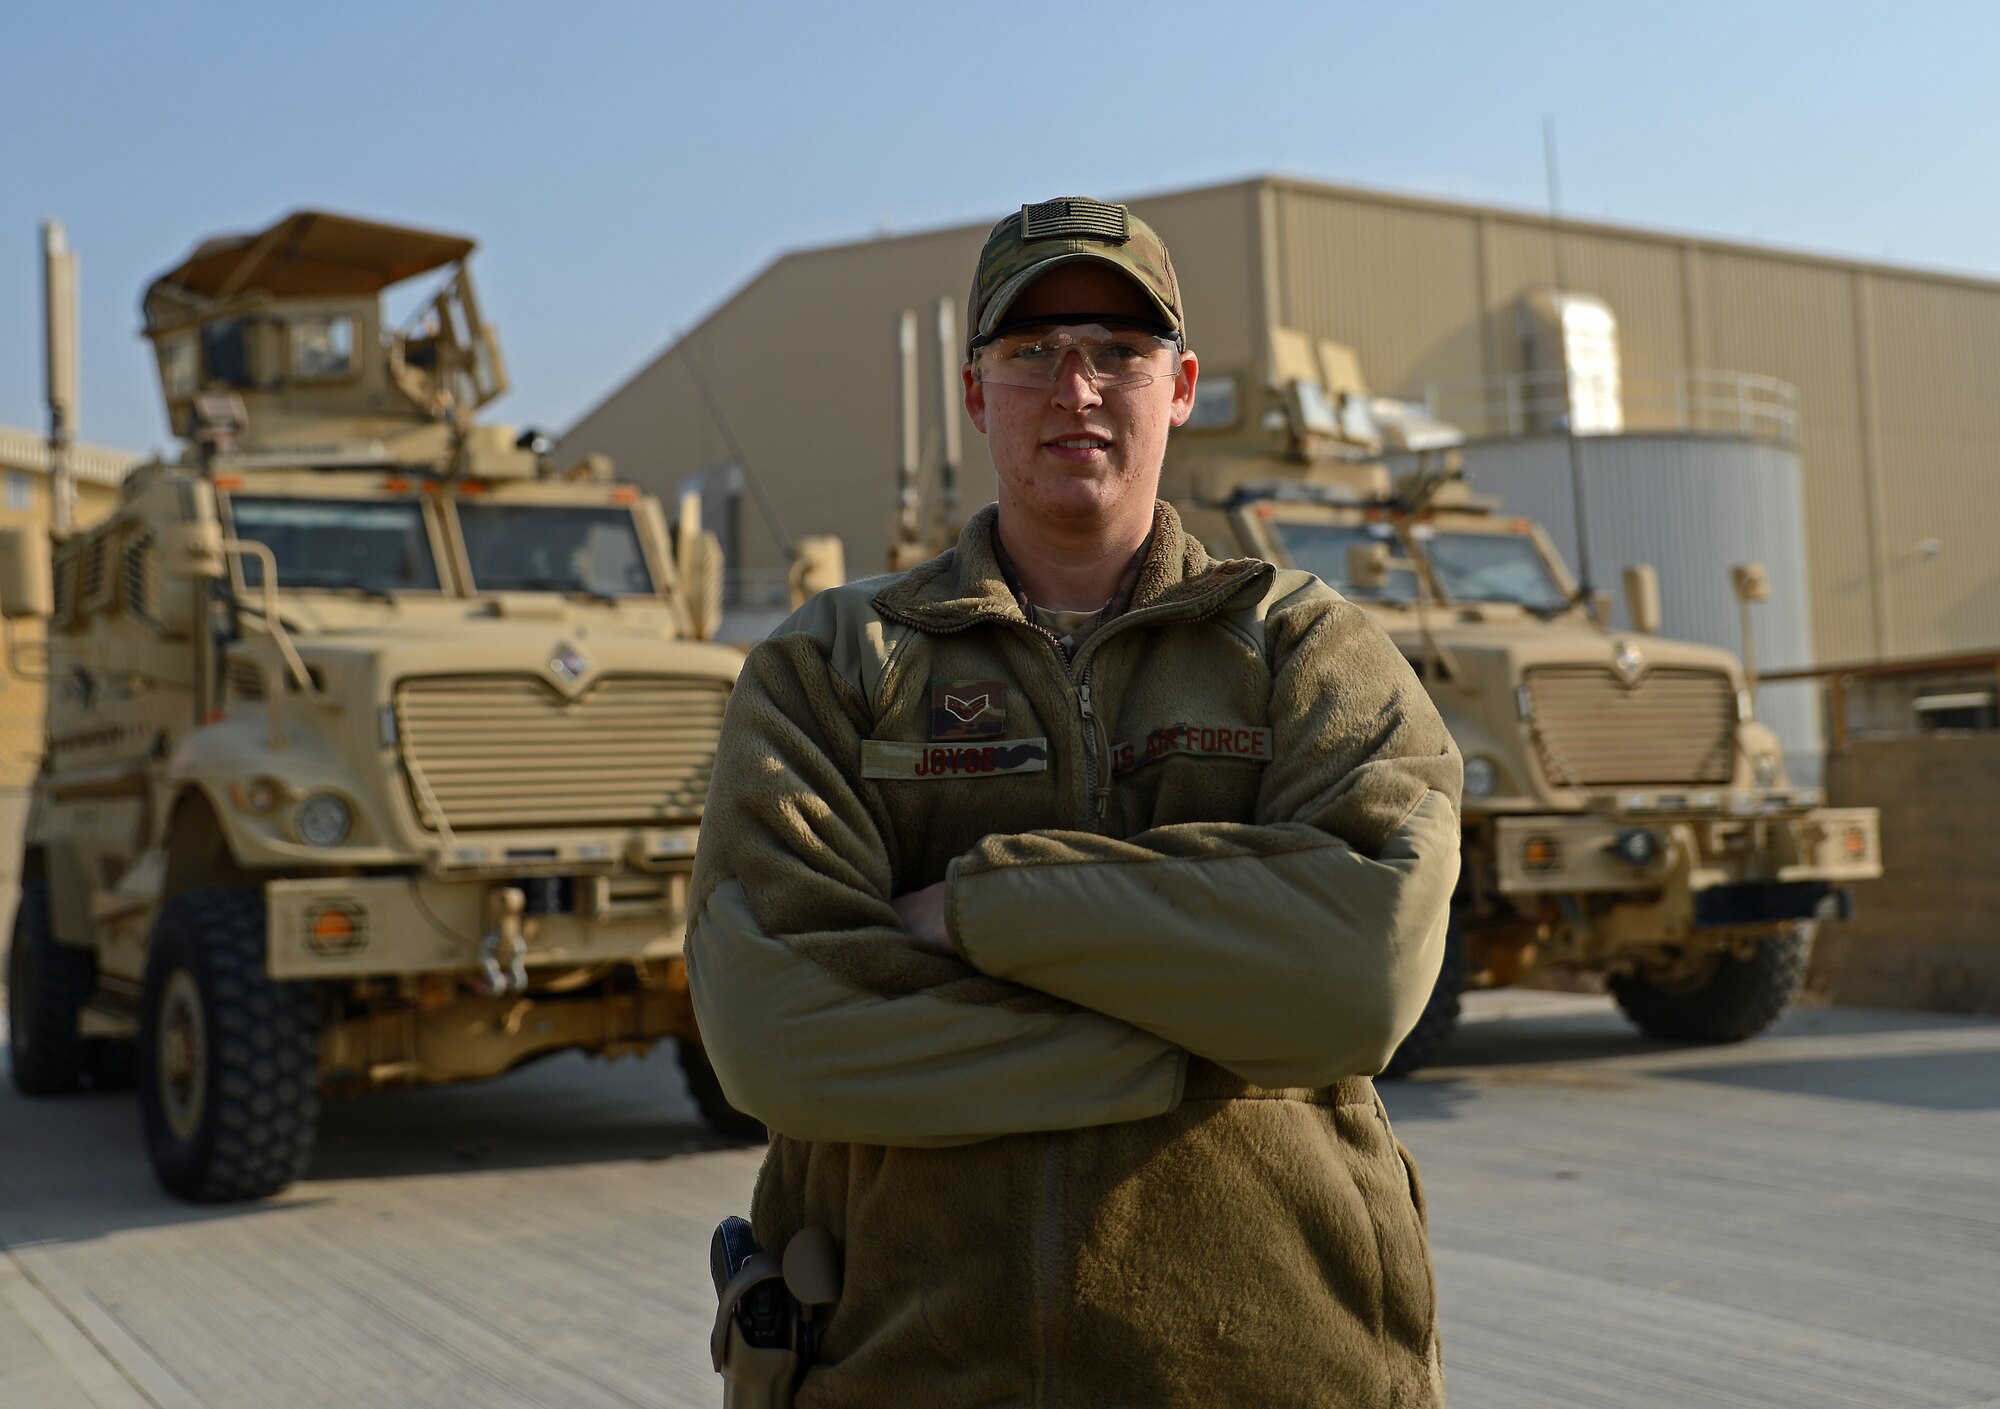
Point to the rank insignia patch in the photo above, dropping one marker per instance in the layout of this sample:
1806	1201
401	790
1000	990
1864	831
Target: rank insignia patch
968	709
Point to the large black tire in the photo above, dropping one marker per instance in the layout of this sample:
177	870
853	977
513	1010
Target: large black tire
705	1088
1739	999
228	1057
1440	1015
47	985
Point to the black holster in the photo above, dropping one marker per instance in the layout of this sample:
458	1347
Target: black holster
764	1336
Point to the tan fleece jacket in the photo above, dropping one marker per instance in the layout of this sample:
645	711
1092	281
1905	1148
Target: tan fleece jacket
1127	1153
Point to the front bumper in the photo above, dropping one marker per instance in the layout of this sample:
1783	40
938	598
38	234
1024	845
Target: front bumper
360	927
1623	847
1755	904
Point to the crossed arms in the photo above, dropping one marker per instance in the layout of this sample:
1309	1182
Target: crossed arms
1293	951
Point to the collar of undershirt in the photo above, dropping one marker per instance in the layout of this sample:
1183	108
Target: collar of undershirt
1072	628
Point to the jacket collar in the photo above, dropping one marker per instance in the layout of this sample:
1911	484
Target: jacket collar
964	584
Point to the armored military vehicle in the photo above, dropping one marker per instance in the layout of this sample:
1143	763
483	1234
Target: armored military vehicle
376	745
1625	813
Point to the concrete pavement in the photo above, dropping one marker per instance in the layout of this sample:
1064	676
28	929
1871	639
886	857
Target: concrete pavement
1805	1220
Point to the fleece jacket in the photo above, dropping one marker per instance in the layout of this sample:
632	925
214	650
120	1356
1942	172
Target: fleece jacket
1125	1152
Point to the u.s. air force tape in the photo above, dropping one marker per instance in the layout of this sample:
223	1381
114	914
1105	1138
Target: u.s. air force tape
885	758
1211	741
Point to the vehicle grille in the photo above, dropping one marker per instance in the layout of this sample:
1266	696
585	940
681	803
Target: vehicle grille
1674	726
509	751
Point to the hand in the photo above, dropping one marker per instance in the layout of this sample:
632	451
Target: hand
922	914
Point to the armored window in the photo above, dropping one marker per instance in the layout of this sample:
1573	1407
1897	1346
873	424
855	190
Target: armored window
1494	567
225	352
1321	549
322	347
178	367
588	549
337	544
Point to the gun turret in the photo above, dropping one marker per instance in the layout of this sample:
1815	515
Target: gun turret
289	323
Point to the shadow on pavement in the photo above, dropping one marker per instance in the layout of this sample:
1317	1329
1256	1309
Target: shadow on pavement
1536	1044
565	1110
1937	1081
1426	1097
1821	1020
1566	1037
73	1168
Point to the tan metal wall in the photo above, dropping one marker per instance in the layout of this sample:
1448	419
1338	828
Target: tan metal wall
1894	370
1936	364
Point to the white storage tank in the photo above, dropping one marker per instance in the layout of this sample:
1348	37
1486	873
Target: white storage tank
1694	507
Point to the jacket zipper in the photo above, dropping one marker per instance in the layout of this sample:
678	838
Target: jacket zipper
1096	775
1097	786
1096	767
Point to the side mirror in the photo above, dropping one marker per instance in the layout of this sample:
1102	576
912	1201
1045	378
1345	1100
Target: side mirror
1751	586
192	552
1642	598
818	562
1750	583
1368	566
27	585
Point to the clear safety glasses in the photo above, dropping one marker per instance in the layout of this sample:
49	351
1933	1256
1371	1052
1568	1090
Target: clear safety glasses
1111	356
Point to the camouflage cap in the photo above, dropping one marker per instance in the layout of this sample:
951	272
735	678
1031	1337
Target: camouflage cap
1065	231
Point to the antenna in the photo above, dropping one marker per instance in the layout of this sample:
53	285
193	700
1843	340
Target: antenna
907	496
59	320
1584	586
948	411
765	508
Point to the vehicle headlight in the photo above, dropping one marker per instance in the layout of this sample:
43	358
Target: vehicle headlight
1768	769
323	820
1481	777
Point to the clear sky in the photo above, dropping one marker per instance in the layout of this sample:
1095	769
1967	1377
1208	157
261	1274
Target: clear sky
626	167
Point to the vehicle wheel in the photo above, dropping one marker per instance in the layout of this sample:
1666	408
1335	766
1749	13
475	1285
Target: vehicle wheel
1440	1015
706	1089
228	1057
47	985
1736	999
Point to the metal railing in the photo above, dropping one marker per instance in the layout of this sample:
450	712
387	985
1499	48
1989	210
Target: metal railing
1698	400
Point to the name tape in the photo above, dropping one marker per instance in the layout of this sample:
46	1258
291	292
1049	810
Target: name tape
886	758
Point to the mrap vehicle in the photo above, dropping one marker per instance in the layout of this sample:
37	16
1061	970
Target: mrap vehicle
1626	816
376	746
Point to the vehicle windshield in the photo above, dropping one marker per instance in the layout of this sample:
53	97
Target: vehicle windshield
588	548
332	544
1493	567
1321	549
